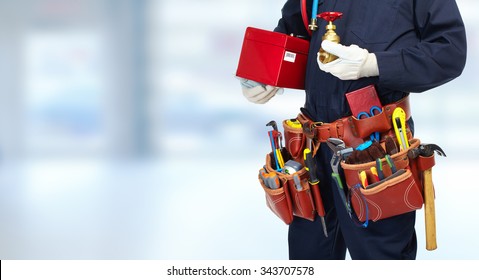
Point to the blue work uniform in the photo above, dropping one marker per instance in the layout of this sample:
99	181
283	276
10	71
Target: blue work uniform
419	45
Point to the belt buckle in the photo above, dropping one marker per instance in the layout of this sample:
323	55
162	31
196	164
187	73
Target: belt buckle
309	129
312	129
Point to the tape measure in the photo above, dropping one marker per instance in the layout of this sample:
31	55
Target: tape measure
291	167
294	123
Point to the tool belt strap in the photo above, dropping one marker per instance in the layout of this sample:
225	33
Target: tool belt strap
350	129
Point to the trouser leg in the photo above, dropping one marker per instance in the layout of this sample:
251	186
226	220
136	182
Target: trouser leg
306	239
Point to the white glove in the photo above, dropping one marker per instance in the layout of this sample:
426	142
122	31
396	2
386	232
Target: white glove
352	63
258	93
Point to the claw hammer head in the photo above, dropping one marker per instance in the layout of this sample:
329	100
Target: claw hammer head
426	150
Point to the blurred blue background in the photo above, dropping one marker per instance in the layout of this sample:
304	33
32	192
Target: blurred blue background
124	134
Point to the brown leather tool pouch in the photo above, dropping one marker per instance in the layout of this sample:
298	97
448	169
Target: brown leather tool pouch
362	128
421	164
396	194
279	202
287	200
392	196
295	141
303	204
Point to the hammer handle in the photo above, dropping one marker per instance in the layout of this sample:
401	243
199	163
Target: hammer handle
429	211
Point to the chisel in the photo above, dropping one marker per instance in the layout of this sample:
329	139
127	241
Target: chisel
314	182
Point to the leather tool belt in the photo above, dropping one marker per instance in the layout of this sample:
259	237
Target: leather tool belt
398	188
350	129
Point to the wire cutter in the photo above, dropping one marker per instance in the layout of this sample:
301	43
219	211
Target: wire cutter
375	110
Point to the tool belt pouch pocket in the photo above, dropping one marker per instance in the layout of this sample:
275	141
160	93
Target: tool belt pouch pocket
295	141
421	164
301	195
362	128
293	197
398	193
279	201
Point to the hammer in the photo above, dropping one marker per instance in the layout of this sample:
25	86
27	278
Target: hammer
427	150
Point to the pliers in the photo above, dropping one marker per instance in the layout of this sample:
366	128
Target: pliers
340	152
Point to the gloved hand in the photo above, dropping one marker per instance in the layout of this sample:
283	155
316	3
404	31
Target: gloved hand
352	63
258	93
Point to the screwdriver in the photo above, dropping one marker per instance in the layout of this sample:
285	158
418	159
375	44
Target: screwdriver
391	164
364	179
374	171
379	169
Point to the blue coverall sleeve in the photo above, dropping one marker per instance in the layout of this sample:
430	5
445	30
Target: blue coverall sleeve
291	20
438	57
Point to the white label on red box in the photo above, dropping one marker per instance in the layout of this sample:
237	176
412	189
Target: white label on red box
289	56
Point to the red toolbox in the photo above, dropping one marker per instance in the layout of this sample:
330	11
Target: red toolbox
273	58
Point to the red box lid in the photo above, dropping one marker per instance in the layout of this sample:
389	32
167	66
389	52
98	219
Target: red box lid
278	39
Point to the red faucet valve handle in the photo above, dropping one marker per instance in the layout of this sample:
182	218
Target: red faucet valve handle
330	16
